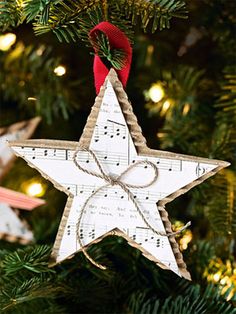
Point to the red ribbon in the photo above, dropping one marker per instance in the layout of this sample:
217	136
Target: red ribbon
117	40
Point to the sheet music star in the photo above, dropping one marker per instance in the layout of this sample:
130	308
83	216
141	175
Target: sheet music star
113	134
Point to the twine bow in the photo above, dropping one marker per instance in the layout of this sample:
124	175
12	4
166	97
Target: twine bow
116	180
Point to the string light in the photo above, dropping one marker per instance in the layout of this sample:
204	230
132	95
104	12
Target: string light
150	50
165	106
32	99
186	236
156	92
34	189
6	41
22	83
17	51
160	135
216	277
186	109
40	50
224	274
60	70
186	239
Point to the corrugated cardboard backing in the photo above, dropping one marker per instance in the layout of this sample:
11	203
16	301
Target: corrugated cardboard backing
142	149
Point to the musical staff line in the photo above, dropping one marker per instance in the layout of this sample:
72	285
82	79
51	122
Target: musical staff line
89	232
118	159
114	193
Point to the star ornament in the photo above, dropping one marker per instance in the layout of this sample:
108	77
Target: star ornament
17	131
113	135
12	227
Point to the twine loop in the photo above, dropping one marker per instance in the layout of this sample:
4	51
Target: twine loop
112	180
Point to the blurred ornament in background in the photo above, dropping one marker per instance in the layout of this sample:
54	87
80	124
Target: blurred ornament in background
17	131
6	41
12	227
191	39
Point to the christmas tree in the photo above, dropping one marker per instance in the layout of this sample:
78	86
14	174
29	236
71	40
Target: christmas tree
182	86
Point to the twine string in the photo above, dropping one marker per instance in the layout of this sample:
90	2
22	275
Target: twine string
117	180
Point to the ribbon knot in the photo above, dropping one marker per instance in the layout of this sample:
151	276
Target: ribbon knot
112	180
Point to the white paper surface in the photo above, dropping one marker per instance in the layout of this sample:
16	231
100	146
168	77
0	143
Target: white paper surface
111	208
5	151
11	224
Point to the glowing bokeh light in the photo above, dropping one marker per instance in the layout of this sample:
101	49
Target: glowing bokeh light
35	189
60	70
6	41
156	92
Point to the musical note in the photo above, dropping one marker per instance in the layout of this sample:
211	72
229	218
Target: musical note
91	234
44	153
200	170
143	234
87	232
8	227
110	129
72	188
96	133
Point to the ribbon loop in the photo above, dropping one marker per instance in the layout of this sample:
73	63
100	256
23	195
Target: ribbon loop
117	40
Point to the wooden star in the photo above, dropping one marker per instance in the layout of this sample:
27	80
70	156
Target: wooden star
113	134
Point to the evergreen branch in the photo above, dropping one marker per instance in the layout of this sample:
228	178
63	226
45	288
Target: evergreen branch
11	14
43	306
224	143
157	12
33	259
64	29
95	15
26	291
29	72
116	57
179	129
38	9
221	210
210	301
64	19
76	24
201	252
